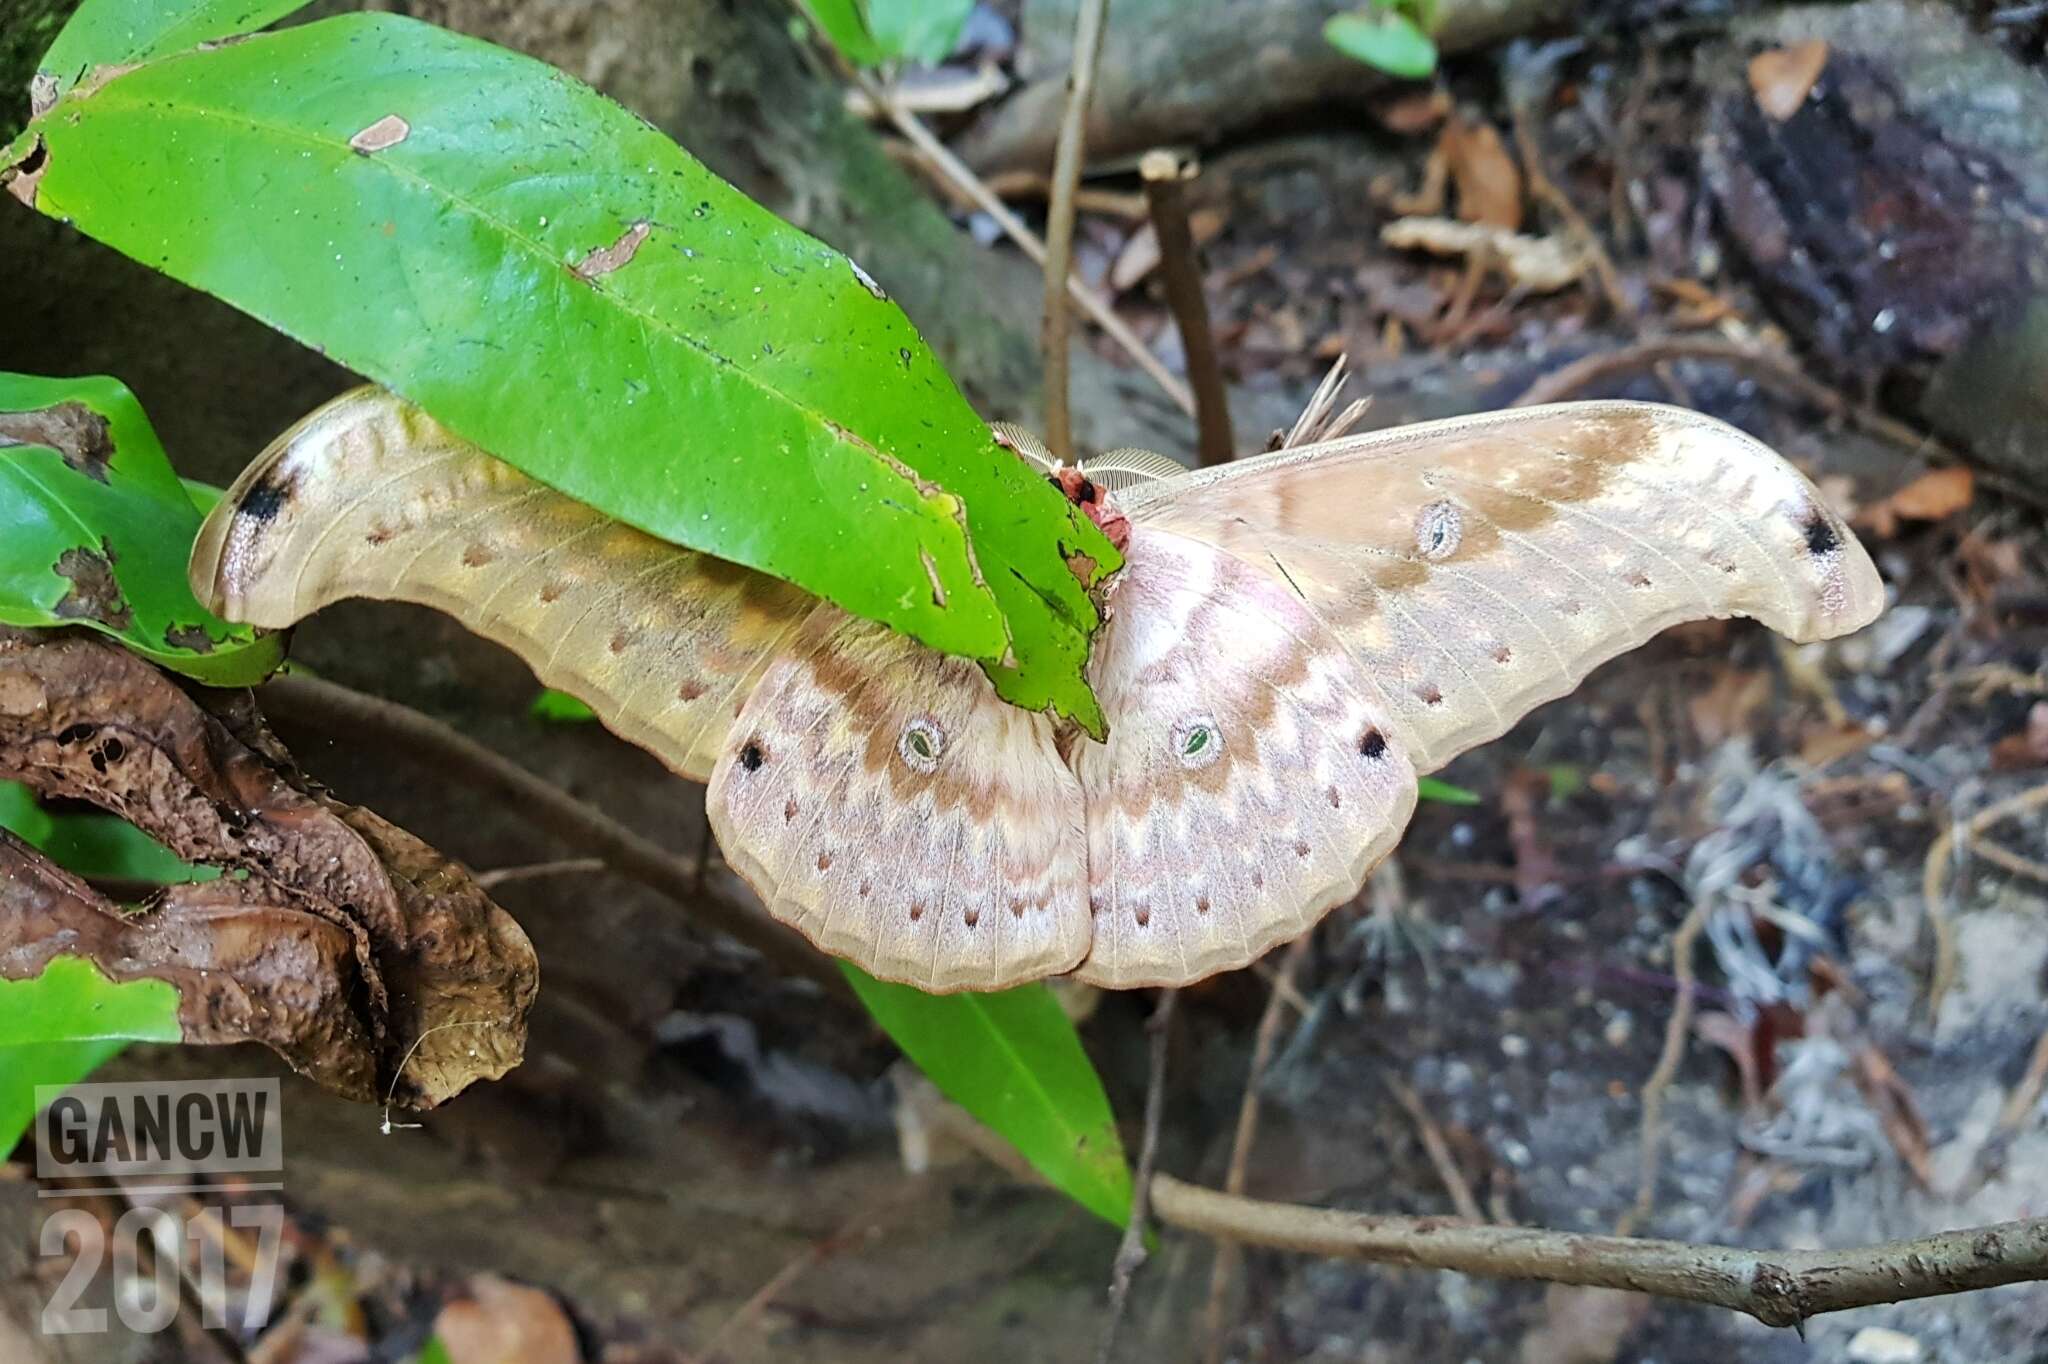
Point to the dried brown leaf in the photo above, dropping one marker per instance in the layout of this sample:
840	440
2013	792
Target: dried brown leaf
1933	496
1488	182
506	1323
436	978
1783	77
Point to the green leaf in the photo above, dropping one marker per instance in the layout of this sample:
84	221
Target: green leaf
1014	1061
71	1001
433	1352
24	1068
97	535
558	707
555	280
1386	39
1429	788
846	28
121	32
918	30
102	847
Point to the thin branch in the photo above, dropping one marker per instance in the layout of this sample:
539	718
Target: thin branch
1130	1253
1676	1030
1436	1148
1166	175
339	711
1223	1270
1956	840
533	871
1068	155
1777	1287
1542	187
954	169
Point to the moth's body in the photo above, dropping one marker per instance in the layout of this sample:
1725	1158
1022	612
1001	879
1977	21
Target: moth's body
1291	641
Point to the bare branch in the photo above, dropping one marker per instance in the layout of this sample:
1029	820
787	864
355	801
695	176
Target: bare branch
1130	1253
1777	1287
957	171
1059	223
1166	175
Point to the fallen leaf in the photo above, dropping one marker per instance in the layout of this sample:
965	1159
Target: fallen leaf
360	954
1416	112
1541	265
1825	743
1783	77
1582	1325
1140	255
1726	710
1488	182
1933	496
1891	1098
2028	747
502	1322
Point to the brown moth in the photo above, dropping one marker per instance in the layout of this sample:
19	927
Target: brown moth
1292	640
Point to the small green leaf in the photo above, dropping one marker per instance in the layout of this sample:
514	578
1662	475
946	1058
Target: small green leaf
918	30
1429	788
558	707
122	32
72	1001
1014	1061
433	1352
1566	780
555	280
97	534
845	28
1386	39
26	1067
102	847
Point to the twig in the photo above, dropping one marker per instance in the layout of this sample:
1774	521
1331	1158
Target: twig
1437	1149
1962	839
1771	370
1675	1033
1068	155
567	866
1130	1253
1542	187
1166	175
1097	308
337	710
1223	1270
1777	1287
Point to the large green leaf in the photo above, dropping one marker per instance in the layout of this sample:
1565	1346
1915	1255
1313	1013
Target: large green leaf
104	847
120	32
23	1068
920	30
1013	1060
557	281
97	534
71	1001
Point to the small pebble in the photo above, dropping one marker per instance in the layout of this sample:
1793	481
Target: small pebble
1877	1345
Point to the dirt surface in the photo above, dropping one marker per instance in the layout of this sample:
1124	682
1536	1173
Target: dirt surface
699	1156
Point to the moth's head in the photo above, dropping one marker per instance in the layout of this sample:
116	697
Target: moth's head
1093	499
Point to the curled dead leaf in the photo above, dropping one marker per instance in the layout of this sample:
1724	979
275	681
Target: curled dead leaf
360	954
1933	496
1783	77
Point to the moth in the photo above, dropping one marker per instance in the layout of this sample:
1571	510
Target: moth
1292	640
